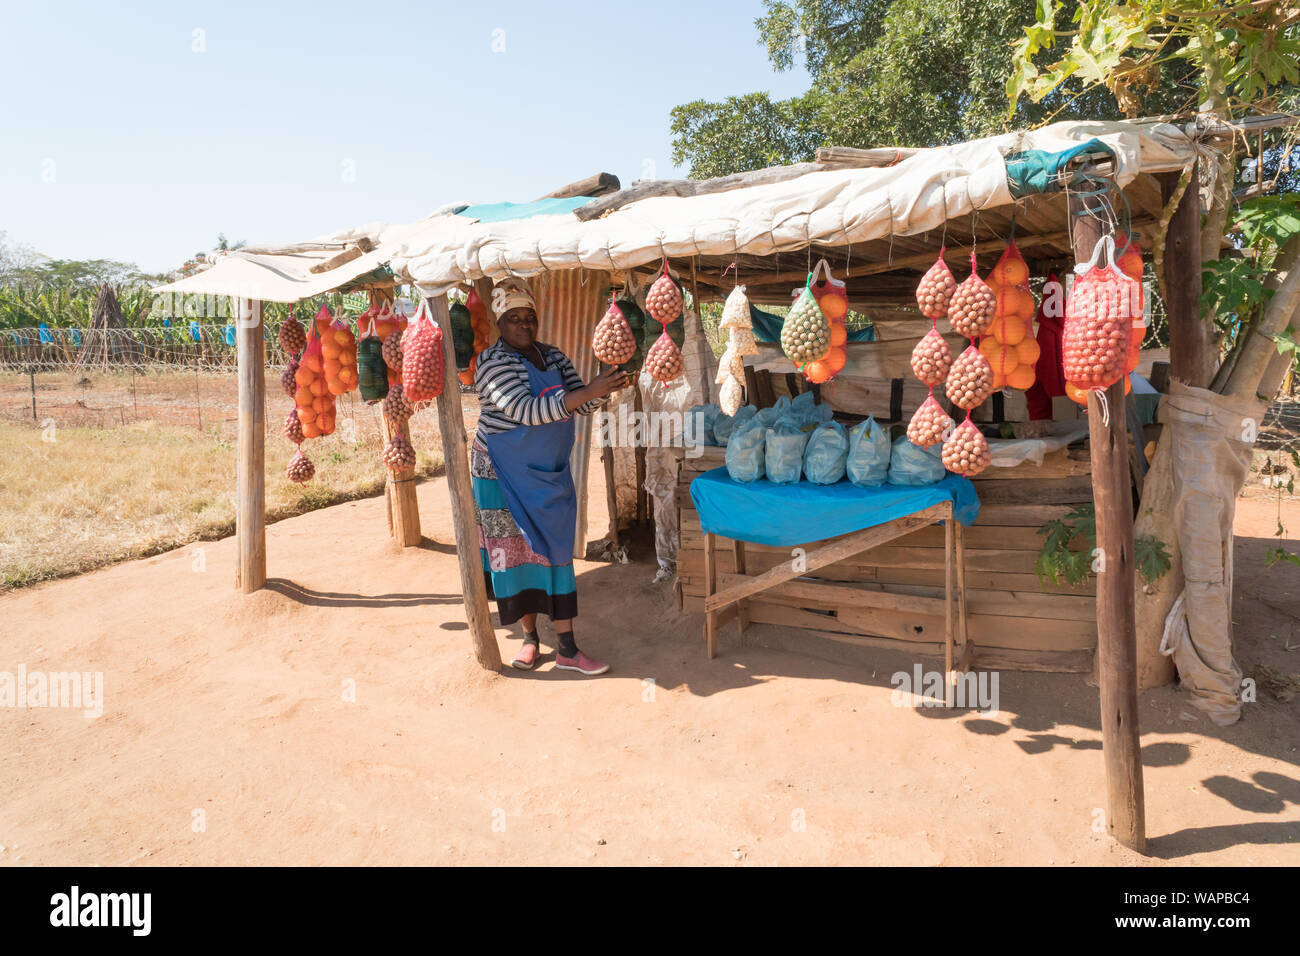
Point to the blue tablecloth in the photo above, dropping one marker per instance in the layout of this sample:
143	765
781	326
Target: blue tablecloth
785	515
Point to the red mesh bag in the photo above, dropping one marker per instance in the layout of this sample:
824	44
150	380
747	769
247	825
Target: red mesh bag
1099	320
936	289
973	305
970	381
612	341
664	360
664	300
422	357
931	359
966	450
929	424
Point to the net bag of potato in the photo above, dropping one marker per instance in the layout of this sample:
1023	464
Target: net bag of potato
970	380
422	357
930	424
972	307
664	361
1099	317
293	428
664	300
613	341
805	335
936	289
966	451
931	359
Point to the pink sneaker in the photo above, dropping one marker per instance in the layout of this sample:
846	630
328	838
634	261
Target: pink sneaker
582	664
526	659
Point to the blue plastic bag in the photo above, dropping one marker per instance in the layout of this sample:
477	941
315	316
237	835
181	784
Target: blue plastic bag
869	454
697	429
827	453
769	416
913	465
785	447
725	425
746	452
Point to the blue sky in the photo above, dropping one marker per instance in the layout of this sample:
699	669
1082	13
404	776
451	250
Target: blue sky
126	134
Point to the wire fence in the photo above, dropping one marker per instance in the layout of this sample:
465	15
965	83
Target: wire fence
193	345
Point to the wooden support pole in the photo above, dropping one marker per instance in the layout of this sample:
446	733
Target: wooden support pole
611	493
1116	616
250	519
451	426
711	624
403	506
1189	336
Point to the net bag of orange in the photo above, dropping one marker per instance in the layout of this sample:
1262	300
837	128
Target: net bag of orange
833	301
312	396
1009	345
805	334
339	349
422	357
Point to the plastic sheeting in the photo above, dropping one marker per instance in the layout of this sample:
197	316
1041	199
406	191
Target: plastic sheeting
1210	432
785	515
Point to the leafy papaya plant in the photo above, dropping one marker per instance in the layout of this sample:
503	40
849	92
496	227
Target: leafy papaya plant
1057	563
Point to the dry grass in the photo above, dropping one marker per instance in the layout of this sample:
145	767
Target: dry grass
73	498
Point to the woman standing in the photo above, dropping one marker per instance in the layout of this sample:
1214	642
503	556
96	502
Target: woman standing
523	490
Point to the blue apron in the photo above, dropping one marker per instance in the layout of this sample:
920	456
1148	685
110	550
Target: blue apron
532	467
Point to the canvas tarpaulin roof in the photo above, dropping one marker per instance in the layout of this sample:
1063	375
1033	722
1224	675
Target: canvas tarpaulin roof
283	277
839	206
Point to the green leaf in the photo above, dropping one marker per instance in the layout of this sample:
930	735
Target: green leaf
1152	557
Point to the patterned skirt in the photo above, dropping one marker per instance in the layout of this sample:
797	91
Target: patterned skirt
518	578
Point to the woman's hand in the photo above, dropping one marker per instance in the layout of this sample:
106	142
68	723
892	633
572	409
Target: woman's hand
599	387
607	382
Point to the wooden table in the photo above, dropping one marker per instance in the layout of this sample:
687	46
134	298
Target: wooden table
721	606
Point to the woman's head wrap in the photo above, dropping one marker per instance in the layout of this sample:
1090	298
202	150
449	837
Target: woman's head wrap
510	294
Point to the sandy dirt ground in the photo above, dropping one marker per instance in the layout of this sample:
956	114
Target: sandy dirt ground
338	718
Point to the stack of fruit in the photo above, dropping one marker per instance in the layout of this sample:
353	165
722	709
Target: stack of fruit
315	402
1010	346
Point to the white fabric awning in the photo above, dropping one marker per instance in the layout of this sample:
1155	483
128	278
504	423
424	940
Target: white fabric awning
835	207
832	207
283	277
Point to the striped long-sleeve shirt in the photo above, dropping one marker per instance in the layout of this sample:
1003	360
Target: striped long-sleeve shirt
505	394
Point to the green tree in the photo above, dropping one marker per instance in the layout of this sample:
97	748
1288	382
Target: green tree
885	73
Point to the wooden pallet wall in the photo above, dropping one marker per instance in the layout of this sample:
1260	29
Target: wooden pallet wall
1014	622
